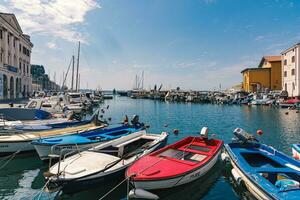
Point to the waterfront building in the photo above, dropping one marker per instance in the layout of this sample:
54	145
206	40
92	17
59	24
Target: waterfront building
266	76
291	70
15	54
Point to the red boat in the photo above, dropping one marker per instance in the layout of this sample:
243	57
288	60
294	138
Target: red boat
176	164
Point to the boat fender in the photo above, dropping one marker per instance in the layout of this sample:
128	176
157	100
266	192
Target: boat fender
141	194
204	132
176	131
236	176
225	157
259	132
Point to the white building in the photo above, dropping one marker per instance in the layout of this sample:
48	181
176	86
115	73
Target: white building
15	53
291	70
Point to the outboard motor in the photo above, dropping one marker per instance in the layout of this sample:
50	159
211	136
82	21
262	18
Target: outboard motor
135	120
204	132
242	136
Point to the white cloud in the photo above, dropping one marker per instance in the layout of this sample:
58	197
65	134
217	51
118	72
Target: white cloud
51	45
55	18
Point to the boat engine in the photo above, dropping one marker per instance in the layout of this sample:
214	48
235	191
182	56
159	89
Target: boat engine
204	132
242	136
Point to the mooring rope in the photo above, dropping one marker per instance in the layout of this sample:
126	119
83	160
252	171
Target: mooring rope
40	193
105	195
9	158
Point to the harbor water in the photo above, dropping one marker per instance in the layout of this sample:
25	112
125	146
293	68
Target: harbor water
23	178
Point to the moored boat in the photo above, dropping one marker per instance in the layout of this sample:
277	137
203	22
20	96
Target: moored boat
105	161
176	164
265	172
62	145
21	142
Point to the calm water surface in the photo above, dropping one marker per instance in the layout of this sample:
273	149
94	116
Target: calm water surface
22	178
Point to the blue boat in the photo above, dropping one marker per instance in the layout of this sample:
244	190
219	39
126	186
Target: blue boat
56	146
264	171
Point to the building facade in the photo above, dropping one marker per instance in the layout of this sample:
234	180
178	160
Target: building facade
291	70
15	54
256	79
266	76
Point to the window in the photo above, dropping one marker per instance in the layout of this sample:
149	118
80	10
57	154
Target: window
293	59
285	73
285	62
1	35
293	72
8	38
1	58
285	87
20	66
14	43
20	47
23	68
27	69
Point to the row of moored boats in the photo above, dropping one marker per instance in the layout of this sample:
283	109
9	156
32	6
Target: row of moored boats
82	154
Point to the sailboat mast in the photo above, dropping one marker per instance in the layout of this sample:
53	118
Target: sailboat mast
77	83
73	63
142	80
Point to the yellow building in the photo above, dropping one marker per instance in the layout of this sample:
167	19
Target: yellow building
266	76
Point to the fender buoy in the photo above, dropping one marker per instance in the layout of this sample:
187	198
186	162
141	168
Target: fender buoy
259	132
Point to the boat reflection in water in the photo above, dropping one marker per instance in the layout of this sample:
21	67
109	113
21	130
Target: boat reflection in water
194	190
239	189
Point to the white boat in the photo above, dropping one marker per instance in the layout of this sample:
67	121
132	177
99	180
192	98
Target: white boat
21	142
103	162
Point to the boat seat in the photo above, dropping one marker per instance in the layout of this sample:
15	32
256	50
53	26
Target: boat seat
274	170
126	142
182	156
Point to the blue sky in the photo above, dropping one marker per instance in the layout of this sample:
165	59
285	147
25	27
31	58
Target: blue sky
196	44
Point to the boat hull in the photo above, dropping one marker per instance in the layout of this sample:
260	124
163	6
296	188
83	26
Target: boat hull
7	148
179	180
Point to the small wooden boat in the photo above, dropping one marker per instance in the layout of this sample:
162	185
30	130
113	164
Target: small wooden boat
61	145
296	151
21	142
103	162
265	172
176	164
